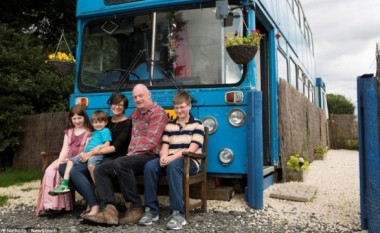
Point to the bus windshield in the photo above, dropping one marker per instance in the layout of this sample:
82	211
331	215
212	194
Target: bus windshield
173	48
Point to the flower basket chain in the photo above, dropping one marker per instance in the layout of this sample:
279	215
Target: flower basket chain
61	63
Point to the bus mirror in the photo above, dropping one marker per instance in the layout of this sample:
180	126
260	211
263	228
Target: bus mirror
222	9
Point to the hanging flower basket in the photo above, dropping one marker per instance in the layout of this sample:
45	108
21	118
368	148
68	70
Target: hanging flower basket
243	49
242	54
61	67
60	62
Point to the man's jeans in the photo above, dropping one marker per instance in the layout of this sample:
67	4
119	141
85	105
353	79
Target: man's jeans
174	176
123	170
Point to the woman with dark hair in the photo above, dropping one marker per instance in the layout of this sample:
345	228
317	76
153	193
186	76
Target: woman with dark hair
120	127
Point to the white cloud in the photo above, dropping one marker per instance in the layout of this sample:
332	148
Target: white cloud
345	35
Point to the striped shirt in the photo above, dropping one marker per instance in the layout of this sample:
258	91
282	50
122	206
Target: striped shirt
147	130
180	138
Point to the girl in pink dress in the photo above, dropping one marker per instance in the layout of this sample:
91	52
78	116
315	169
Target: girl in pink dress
74	141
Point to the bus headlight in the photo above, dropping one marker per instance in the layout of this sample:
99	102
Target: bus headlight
226	156
211	123
236	117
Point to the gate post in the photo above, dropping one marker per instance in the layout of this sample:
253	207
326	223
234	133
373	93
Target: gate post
255	187
369	161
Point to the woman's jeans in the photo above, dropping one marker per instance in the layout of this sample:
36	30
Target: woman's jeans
174	175
81	181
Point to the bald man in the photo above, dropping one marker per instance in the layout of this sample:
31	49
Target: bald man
148	123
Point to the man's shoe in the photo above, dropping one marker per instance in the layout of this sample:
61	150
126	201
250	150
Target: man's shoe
132	216
147	219
109	216
176	221
61	189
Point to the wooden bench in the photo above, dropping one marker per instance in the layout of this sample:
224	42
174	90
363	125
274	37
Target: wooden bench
199	180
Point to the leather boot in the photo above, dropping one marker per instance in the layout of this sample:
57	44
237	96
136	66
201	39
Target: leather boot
128	206
132	215
109	215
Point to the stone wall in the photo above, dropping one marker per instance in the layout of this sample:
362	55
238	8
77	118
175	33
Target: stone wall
302	125
343	130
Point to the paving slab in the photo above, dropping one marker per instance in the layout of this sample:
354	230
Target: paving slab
294	191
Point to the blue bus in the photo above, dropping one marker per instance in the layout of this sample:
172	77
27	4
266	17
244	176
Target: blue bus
172	45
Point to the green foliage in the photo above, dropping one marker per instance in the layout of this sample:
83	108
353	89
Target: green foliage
338	104
26	85
252	39
297	162
29	31
319	149
11	177
352	144
44	19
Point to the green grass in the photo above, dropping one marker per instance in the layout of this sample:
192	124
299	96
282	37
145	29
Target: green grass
3	200
13	176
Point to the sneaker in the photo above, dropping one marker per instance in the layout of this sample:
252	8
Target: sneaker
147	219
61	189
176	221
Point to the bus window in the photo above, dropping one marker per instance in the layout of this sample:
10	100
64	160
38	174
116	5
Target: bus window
293	73
305	85
99	54
282	66
300	81
188	50
297	12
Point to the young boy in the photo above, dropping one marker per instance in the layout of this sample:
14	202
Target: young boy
185	133
101	137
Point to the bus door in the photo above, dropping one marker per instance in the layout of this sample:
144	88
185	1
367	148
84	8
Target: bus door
264	85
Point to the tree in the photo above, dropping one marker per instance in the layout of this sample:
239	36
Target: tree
29	31
26	86
338	104
43	19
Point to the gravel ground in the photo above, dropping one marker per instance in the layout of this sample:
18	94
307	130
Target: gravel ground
335	208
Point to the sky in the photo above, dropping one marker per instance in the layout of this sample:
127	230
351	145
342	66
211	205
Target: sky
345	35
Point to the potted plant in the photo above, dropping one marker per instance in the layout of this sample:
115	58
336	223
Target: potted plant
297	165
243	49
320	152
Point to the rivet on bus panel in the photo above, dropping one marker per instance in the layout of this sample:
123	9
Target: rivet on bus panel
234	97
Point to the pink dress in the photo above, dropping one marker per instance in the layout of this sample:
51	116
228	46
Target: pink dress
52	178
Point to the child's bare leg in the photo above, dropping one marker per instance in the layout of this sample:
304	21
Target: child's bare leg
64	186
69	166
91	170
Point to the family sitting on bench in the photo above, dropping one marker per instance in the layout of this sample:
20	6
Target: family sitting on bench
143	144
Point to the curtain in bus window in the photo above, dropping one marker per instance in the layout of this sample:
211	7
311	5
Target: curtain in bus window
182	61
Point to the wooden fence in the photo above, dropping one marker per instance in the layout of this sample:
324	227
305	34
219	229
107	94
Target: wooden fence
43	132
